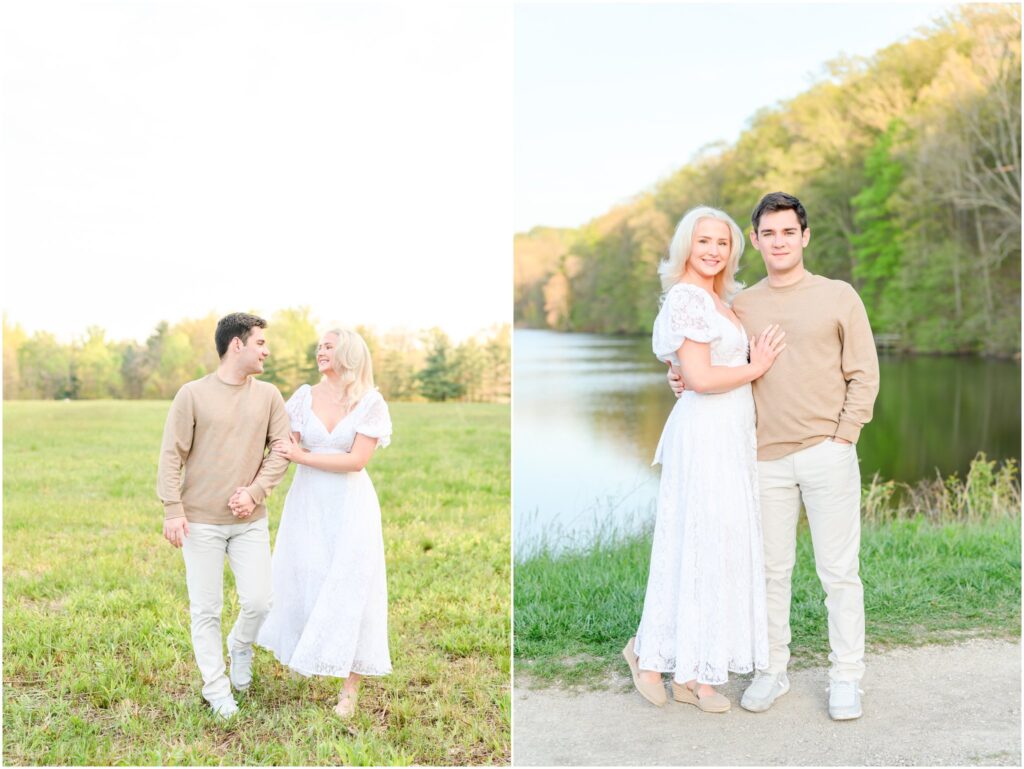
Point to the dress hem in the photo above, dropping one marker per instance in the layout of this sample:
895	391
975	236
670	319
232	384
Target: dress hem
332	674
739	669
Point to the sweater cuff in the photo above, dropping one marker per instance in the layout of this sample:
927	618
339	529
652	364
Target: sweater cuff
174	510
257	493
848	431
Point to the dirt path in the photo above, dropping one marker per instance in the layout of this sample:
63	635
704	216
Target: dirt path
935	705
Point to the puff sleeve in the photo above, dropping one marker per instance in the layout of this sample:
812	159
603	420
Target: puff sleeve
296	408
687	313
374	419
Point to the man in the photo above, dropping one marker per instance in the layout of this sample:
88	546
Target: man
811	406
213	478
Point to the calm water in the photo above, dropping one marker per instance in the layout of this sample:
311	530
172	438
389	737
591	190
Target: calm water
589	410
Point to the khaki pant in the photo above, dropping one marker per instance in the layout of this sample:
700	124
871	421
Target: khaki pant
247	546
827	477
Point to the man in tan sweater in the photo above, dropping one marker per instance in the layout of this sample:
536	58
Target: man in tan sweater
811	406
213	478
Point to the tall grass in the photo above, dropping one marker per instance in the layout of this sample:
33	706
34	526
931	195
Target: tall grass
938	562
98	666
989	491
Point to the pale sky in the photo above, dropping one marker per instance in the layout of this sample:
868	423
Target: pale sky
611	98
162	160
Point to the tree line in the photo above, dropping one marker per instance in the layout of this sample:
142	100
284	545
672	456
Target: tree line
425	365
909	165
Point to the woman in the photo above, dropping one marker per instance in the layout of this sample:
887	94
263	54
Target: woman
704	612
329	615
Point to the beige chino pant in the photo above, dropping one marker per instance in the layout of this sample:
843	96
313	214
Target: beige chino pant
247	547
827	477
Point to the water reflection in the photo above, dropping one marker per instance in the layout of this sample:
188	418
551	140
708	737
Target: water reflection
937	412
589	411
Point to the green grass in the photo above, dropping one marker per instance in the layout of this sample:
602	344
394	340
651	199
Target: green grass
98	665
926	579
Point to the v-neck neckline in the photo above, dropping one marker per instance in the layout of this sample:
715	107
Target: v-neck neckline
318	419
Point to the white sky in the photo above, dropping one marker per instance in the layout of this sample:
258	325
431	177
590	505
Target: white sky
611	98
162	160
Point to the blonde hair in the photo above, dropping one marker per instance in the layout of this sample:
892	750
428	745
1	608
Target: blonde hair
351	362
671	270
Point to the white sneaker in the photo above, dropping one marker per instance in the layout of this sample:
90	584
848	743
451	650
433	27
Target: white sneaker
239	666
224	708
844	700
766	688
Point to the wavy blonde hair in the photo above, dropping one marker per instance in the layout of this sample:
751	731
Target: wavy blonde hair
351	362
671	270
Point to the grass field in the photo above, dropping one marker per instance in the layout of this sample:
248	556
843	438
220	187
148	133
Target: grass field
98	665
940	565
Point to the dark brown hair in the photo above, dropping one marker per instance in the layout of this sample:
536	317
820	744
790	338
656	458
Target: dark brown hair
238	324
778	201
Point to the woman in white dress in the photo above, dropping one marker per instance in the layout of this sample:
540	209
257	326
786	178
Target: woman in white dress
329	614
704	611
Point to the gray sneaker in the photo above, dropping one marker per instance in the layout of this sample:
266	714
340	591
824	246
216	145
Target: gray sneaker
240	666
766	688
224	708
844	700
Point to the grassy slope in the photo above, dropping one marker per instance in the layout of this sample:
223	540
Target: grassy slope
98	667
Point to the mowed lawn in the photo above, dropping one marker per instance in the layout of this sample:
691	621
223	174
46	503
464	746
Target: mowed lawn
97	657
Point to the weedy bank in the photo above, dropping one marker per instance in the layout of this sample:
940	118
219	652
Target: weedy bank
940	561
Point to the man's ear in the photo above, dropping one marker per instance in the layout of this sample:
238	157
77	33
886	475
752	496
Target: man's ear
753	237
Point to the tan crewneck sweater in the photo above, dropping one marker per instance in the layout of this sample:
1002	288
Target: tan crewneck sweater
215	440
825	382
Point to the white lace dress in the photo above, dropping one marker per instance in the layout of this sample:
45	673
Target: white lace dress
704	612
330	608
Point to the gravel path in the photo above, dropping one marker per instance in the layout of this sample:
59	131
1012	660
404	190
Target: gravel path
934	706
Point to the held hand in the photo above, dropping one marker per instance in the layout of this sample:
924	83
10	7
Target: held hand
765	348
241	503
290	449
175	530
675	380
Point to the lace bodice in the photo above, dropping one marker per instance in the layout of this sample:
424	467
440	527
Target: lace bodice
689	312
369	417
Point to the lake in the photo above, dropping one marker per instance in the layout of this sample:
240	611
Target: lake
589	409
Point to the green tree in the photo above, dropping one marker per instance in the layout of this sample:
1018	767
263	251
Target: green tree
396	359
469	364
498	365
134	369
878	244
200	333
96	367
170	362
292	337
438	380
44	367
